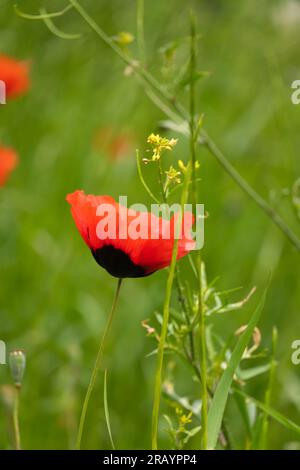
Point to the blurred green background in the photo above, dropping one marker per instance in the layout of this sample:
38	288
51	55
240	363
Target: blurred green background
53	297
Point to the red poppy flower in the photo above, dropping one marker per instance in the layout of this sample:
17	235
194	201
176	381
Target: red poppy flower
8	161
15	75
113	241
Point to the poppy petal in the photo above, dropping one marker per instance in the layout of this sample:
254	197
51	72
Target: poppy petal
121	251
15	75
8	161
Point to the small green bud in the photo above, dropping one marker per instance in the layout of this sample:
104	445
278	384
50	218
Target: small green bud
17	364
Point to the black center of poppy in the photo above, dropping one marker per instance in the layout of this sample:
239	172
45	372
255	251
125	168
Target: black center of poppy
117	262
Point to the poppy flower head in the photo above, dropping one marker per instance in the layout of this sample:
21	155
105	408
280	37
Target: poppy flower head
15	75
110	230
8	161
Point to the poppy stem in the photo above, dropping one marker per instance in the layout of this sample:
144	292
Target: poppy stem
97	365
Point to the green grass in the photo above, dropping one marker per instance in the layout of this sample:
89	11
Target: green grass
54	299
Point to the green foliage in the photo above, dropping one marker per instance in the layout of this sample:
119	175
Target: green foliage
54	299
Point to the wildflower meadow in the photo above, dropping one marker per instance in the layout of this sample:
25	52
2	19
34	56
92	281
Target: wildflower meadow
149	227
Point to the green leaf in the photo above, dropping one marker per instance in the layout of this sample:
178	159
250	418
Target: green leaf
242	407
247	374
191	433
219	400
281	419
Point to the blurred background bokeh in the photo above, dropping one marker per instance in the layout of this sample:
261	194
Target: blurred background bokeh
78	128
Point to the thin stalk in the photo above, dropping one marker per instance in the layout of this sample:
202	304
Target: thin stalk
185	309
161	181
142	179
97	365
106	412
268	394
179	285
164	330
245	186
203	372
16	425
42	16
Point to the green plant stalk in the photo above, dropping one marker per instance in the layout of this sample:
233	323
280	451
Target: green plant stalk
97	365
16	425
271	412
221	394
106	411
164	330
268	394
177	277
201	315
142	179
42	16
245	186
161	181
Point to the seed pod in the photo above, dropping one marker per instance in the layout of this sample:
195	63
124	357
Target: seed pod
17	363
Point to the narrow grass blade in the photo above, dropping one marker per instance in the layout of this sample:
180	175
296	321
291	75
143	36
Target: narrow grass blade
281	419
106	411
218	403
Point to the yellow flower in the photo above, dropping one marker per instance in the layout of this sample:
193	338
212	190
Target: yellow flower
185	419
173	175
159	144
124	38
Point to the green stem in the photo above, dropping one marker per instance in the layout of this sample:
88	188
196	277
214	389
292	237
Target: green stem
140	173
203	372
161	181
245	186
97	366
268	394
166	312
179	286
16	418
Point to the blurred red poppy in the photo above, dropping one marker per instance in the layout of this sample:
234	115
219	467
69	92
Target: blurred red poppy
113	245
8	161
15	75
116	145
